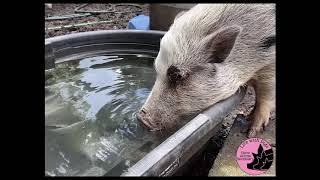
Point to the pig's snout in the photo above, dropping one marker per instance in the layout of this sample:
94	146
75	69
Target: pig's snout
144	119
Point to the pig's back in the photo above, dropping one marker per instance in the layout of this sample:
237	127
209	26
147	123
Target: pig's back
257	20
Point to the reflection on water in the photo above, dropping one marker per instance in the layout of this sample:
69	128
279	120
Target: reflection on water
90	125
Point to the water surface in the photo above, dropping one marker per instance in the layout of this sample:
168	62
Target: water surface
90	127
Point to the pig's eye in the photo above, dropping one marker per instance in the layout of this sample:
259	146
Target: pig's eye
175	75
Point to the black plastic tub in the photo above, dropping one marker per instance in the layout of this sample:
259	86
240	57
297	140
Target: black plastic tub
176	150
73	46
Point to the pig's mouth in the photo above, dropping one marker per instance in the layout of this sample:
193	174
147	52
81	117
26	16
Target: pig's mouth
147	123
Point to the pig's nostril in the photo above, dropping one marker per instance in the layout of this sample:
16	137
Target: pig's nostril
143	111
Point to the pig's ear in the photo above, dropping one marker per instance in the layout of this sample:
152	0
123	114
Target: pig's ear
179	14
219	44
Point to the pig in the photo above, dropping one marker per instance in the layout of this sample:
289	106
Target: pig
207	54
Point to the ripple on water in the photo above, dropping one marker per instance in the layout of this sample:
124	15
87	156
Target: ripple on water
90	106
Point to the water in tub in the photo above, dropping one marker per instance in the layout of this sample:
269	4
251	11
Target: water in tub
90	127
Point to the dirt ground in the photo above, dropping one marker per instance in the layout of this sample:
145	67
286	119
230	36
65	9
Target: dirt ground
120	16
